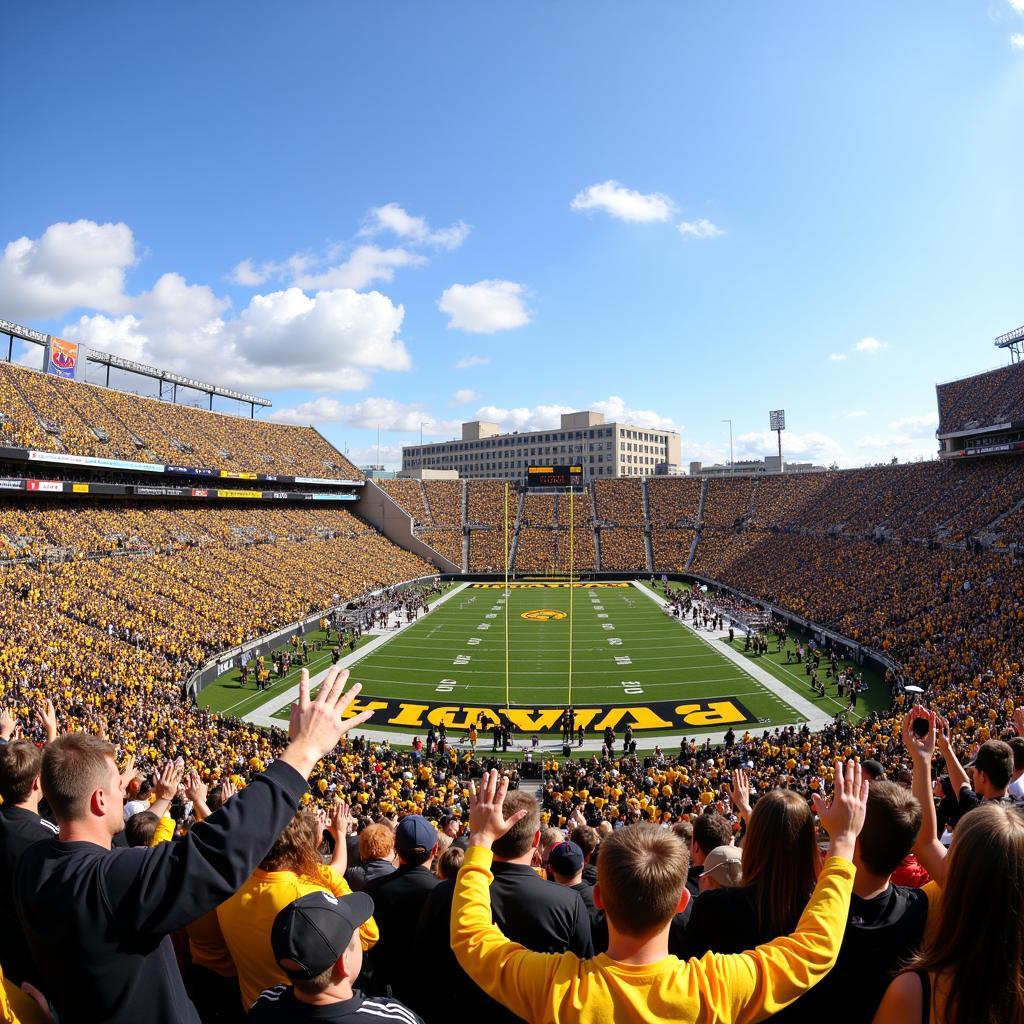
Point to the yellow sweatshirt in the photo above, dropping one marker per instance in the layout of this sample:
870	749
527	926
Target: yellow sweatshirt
561	988
205	942
247	917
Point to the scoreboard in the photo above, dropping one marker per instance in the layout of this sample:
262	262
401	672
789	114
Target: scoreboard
554	476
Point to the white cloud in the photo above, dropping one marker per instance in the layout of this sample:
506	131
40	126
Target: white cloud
485	307
540	417
70	266
699	229
1017	40
838	357
812	446
334	339
390	455
394	218
855	414
871	346
926	423
463	397
386	413
547	417
624	203
467	361
367	264
249	275
1017	5
616	411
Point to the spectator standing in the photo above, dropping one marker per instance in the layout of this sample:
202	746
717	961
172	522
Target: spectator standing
20	827
642	871
398	899
98	919
376	856
539	914
315	941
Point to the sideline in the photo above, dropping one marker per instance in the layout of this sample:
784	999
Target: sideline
264	714
814	716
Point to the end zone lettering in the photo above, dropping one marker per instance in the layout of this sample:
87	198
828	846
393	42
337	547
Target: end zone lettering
667	714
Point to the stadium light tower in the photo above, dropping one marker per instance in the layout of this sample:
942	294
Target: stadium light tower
1012	341
777	419
732	465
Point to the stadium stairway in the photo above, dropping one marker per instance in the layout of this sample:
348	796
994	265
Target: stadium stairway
648	543
699	523
520	501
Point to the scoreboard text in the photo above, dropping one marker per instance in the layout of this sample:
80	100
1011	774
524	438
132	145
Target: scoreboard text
554	476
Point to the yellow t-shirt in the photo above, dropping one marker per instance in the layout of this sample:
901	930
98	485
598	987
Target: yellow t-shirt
16	1007
247	917
562	989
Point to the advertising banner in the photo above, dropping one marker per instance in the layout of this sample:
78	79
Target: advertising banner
64	358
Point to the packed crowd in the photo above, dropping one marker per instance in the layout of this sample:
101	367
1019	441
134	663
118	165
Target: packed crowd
981	400
51	414
705	887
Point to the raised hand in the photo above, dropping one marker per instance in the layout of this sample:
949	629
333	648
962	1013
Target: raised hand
128	772
8	723
922	747
1018	721
168	780
487	821
196	791
227	790
739	792
47	718
316	726
341	820
843	816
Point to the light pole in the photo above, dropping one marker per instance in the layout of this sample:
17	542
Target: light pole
732	465
421	435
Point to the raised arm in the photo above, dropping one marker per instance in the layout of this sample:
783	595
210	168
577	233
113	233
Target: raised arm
157	890
928	850
751	986
505	970
958	776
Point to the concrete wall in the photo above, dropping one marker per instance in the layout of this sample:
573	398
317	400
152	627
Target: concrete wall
378	508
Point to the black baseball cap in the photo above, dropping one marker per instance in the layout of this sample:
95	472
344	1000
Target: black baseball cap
565	858
310	934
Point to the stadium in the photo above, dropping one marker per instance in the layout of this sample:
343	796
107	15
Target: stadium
513	514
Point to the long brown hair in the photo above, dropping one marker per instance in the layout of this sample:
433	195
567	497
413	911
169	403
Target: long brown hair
978	944
780	860
296	848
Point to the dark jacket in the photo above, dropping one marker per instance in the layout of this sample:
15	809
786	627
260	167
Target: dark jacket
544	916
19	829
398	899
359	876
97	921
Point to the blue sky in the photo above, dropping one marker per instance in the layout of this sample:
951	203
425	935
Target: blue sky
395	213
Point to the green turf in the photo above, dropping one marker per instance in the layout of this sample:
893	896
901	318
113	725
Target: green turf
456	655
227	695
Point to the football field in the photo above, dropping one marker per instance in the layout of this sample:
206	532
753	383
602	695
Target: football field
608	649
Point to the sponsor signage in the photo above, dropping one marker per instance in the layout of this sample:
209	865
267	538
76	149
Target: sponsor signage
23	332
87	460
239	494
51	486
159	492
332	497
64	358
237	476
200	492
332	483
79	488
12	485
190	470
702	713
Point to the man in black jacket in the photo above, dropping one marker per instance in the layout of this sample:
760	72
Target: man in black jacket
543	916
398	899
98	919
20	827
